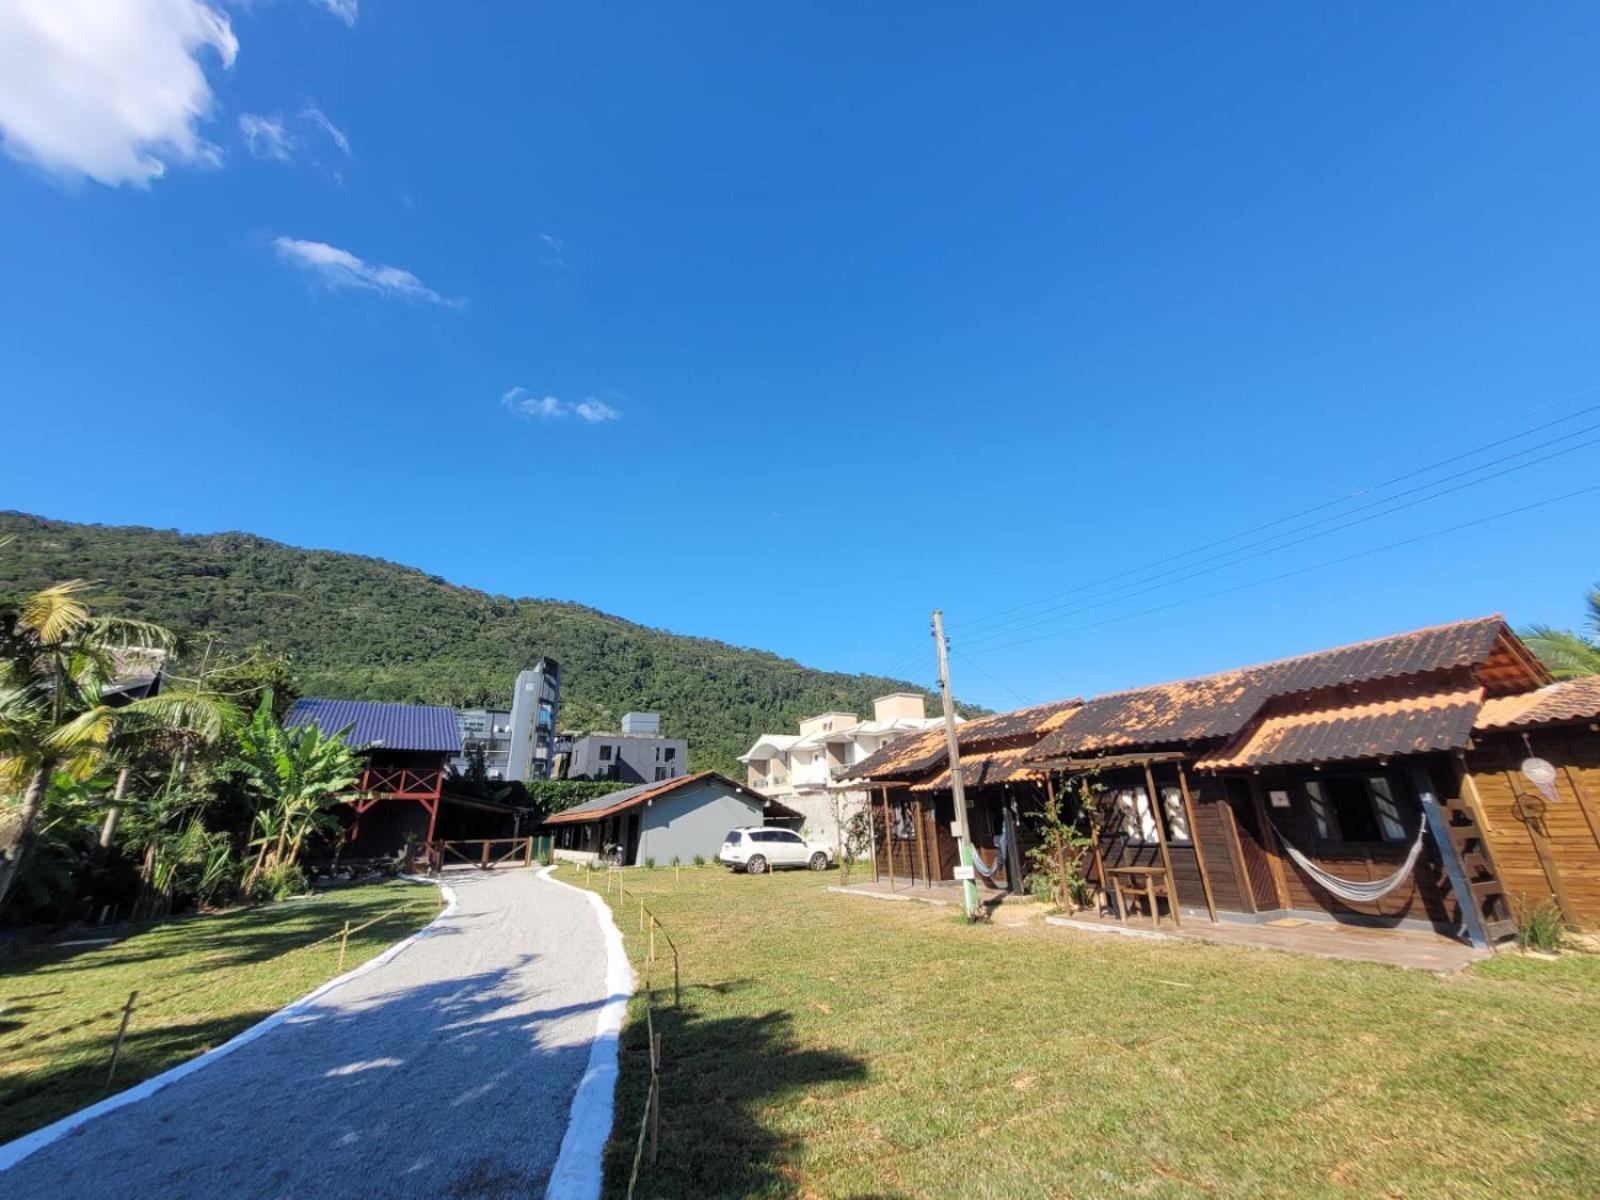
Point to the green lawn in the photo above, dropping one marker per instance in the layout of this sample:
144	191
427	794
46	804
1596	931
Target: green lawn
836	1046
200	980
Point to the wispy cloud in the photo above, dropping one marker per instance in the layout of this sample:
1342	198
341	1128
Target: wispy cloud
554	249
340	270
114	92
267	137
345	10
526	403
320	119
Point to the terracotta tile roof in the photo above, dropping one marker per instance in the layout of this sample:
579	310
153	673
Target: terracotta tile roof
1216	706
1570	700
920	753
983	769
620	801
1404	718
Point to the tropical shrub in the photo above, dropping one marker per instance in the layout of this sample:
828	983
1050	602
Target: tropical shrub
1542	927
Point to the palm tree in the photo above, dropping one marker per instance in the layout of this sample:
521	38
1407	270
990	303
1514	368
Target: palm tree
298	773
1566	653
56	658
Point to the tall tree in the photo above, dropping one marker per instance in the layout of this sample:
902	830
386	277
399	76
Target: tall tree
56	660
1569	654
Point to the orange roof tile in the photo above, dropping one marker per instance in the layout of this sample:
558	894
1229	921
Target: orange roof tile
1569	700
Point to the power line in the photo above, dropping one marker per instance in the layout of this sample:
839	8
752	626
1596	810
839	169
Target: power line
1172	576
990	618
999	682
1332	562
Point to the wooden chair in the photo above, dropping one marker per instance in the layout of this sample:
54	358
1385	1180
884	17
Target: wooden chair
1152	883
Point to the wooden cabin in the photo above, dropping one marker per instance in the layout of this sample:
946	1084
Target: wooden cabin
401	795
1542	822
912	804
1370	784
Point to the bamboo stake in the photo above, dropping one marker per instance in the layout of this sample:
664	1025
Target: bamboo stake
122	1032
344	941
655	1098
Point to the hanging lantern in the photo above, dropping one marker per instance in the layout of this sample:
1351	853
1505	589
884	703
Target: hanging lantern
1542	774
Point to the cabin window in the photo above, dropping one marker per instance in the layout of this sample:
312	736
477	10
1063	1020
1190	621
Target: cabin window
1320	816
1138	822
1177	818
1364	809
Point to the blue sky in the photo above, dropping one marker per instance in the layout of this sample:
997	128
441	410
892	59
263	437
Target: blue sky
785	324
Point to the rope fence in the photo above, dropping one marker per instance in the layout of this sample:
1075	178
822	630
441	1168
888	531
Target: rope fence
648	1143
143	1000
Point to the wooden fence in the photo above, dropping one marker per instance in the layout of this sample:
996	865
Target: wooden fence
484	853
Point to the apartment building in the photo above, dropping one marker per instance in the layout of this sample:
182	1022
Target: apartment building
518	743
798	770
638	753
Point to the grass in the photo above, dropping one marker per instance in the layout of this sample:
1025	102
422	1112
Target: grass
836	1046
200	980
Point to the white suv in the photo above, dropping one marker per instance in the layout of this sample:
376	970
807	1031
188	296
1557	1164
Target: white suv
757	848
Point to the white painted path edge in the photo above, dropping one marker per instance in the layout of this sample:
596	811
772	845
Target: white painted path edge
14	1152
576	1175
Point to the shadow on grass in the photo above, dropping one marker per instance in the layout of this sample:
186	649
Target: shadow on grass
455	1088
719	1076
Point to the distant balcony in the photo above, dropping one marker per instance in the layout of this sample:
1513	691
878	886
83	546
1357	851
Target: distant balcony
403	783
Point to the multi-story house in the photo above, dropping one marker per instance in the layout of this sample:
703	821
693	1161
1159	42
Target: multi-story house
800	770
638	754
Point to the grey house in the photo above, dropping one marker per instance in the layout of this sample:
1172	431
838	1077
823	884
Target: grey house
638	754
679	818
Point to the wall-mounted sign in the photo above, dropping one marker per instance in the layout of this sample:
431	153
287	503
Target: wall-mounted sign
965	873
1279	799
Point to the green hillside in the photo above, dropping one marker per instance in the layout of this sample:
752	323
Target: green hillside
367	629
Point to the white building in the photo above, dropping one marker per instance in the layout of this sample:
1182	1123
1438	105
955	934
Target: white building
797	769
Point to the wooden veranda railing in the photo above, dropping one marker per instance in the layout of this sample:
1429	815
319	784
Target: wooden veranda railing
403	783
483	853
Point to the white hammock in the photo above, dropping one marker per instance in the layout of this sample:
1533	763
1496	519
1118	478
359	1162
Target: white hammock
999	859
1357	893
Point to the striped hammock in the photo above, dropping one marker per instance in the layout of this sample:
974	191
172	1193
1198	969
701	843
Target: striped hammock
999	859
1357	893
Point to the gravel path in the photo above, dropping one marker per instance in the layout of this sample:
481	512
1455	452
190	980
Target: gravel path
447	1071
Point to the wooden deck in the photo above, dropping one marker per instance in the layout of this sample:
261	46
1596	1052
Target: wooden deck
1418	950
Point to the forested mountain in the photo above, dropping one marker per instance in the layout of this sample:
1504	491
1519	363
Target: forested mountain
367	629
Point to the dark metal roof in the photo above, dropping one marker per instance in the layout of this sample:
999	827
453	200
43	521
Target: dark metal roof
620	801
1218	706
381	726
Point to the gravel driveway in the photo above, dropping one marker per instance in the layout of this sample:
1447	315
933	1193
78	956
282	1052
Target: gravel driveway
447	1071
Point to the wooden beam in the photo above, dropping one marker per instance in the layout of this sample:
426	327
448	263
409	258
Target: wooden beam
1166	856
888	837
1230	842
872	834
1194	836
922	849
1534	823
1113	760
1469	790
1269	843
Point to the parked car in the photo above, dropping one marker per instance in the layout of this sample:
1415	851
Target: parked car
756	848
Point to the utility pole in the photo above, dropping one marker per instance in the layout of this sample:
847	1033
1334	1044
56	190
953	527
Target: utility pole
969	887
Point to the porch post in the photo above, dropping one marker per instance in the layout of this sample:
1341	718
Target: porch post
888	837
1166	858
1194	836
1454	867
872	834
1013	846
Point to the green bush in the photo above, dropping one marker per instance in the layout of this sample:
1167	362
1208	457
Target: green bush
676	861
279	882
1542	927
649	864
699	860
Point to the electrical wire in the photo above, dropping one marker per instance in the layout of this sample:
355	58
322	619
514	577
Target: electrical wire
1332	562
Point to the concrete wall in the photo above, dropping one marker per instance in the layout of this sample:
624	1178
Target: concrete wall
821	824
694	820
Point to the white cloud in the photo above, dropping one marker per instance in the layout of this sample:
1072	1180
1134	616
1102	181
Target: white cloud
112	91
554	252
530	404
345	10
267	137
339	269
320	119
